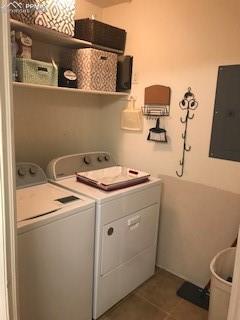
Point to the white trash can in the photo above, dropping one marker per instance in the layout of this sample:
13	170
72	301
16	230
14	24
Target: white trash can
222	267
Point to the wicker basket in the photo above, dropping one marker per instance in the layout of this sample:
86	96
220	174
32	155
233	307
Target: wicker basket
100	33
37	72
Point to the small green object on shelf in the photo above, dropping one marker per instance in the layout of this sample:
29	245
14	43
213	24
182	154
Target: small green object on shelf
37	72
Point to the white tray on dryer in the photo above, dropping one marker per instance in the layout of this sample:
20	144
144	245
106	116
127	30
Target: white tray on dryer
113	178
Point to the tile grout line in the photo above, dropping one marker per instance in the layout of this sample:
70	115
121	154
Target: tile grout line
118	304
169	313
153	304
176	305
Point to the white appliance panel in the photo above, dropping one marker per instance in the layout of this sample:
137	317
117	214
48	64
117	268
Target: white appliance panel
127	237
103	196
55	269
115	285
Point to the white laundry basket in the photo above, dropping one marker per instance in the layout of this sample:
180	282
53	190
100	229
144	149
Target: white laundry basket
222	267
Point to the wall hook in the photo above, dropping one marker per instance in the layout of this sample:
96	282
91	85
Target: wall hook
183	120
187	148
189	104
180	174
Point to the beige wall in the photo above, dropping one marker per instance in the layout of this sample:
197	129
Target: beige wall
50	124
107	3
196	222
85	9
181	44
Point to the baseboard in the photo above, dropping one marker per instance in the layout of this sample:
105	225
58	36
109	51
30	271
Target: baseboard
181	276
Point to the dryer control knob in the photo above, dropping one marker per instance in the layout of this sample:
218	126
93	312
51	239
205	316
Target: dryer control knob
22	172
110	231
100	158
33	171
87	160
107	157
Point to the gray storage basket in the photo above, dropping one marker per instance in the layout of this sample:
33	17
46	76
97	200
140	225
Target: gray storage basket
37	72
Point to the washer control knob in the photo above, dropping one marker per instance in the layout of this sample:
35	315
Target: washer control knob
22	172
100	158
87	160
33	171
107	157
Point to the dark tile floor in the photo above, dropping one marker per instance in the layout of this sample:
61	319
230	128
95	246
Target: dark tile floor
156	299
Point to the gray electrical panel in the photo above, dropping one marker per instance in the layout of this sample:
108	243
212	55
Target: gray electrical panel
225	139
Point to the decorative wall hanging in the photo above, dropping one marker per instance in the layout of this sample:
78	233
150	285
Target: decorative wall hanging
188	104
156	105
157	101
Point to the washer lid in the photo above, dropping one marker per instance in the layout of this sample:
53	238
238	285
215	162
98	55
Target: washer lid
43	199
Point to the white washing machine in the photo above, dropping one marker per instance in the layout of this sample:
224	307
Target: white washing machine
55	248
126	224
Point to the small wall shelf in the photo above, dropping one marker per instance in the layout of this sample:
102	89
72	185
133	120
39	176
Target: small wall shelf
60	89
56	38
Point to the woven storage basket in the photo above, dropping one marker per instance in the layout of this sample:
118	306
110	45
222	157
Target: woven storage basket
100	33
37	72
95	69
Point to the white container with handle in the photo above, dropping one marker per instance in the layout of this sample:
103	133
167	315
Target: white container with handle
221	267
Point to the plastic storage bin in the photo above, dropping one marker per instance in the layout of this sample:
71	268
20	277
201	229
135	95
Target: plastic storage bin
95	69
37	72
222	267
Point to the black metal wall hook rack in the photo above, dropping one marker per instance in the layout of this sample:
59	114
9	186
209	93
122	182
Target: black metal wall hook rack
188	103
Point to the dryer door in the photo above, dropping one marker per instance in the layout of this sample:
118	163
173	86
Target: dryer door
127	237
139	232
111	242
